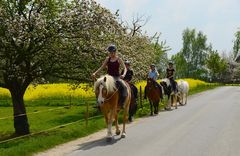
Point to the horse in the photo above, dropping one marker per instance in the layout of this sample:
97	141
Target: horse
183	88
153	95
133	103
107	94
168	91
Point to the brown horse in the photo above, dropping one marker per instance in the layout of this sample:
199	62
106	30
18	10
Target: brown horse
153	95
107	95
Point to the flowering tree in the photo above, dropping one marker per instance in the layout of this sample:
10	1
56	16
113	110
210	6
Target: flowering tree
63	39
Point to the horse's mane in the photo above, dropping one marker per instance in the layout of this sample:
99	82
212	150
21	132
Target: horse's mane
167	81
109	84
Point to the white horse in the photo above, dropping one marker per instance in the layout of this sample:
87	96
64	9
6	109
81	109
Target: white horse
183	88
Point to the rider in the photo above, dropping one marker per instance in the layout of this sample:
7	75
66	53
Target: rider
153	73
113	62
170	75
128	77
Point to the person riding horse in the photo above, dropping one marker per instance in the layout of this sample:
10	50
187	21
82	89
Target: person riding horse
113	62
170	75
153	73
128	78
134	90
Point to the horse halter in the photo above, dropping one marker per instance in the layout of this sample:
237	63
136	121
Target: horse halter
103	95
151	83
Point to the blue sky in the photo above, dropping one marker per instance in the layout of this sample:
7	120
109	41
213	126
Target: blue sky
218	19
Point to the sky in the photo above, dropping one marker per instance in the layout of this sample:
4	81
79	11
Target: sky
217	19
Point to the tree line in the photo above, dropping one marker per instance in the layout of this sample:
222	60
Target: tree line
197	59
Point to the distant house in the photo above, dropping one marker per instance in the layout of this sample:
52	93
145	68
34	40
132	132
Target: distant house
237	59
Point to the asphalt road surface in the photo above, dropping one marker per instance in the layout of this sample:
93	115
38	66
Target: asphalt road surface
209	125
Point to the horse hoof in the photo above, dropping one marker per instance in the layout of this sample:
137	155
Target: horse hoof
118	132
130	119
109	139
123	135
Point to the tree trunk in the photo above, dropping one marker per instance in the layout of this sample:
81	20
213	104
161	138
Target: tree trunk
20	117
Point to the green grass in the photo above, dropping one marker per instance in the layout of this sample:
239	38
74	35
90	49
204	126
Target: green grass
40	142
41	118
6	102
203	88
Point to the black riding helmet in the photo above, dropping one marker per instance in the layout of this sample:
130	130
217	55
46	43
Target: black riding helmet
152	65
112	48
170	63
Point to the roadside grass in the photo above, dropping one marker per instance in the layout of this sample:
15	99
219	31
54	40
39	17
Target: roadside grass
29	145
44	115
203	88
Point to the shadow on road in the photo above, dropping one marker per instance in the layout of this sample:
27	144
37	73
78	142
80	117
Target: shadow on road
100	142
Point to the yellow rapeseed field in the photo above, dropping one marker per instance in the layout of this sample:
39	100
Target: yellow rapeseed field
53	91
192	83
64	90
4	93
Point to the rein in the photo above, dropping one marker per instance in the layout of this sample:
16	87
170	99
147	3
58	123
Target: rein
111	95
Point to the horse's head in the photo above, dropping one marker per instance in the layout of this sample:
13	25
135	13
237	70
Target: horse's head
150	82
165	83
103	87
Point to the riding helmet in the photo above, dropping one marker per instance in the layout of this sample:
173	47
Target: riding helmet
112	48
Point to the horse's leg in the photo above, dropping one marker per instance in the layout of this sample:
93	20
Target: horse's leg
183	98
116	123
175	100
169	103
125	114
131	110
180	98
156	107
151	107
109	123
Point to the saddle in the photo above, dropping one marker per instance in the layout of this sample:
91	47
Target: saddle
121	85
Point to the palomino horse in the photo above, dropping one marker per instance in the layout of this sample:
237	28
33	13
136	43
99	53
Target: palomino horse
172	97
107	94
153	95
183	88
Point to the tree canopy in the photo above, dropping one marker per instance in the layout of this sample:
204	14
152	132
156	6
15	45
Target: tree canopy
190	61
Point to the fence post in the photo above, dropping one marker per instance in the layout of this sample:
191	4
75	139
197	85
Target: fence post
70	103
86	114
141	97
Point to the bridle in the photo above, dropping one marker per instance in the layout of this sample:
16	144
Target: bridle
107	99
111	95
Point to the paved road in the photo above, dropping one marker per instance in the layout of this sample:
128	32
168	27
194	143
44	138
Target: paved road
208	126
